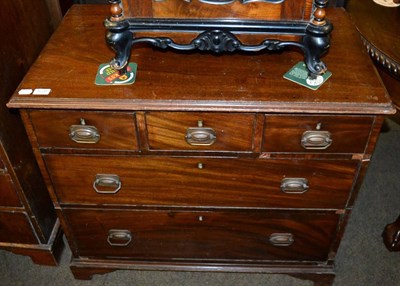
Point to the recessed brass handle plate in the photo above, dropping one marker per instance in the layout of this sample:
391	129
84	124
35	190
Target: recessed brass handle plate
107	184
281	239
316	140
84	134
119	237
200	136
294	185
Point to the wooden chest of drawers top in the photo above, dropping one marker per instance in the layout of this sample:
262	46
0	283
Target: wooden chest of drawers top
256	82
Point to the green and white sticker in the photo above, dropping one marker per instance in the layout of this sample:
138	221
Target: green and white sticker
299	74
106	75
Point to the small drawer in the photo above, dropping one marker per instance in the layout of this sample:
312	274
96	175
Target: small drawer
15	228
322	134
203	235
8	194
88	130
194	181
200	131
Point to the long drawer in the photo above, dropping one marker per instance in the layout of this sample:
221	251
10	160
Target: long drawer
15	228
316	133
8	195
199	181
203	235
84	129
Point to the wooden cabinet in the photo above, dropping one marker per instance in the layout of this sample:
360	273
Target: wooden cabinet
205	163
28	222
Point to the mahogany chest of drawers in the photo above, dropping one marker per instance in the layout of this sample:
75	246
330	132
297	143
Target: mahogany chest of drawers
205	163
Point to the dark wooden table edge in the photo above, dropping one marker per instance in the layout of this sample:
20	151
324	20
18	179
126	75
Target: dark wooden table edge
199	105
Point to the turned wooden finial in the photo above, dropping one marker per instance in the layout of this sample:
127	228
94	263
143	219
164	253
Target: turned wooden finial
116	10
320	12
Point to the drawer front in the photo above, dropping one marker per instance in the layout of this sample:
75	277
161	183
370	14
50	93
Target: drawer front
284	10
15	228
200	131
327	134
8	195
89	130
202	181
203	235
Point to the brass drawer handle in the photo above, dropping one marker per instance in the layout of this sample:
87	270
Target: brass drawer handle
107	184
281	239
83	133
294	185
119	237
200	136
316	140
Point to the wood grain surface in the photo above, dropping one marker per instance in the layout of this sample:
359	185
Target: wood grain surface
255	82
177	206
204	235
221	182
167	130
9	197
117	131
348	134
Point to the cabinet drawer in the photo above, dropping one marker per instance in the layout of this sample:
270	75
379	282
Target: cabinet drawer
8	195
89	130
200	131
236	235
15	228
202	181
328	134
